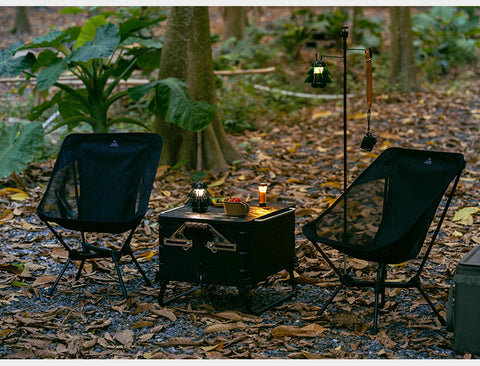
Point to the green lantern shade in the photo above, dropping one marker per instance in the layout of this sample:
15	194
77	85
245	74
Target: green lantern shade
318	75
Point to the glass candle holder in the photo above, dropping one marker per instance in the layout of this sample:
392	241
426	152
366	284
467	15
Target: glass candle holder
262	194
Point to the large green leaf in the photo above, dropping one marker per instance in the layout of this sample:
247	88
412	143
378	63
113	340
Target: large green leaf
38	110
172	103
12	66
19	145
50	74
52	39
149	60
139	91
103	45
89	29
45	58
69	105
132	25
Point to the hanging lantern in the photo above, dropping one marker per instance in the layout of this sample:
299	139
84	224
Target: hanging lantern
318	75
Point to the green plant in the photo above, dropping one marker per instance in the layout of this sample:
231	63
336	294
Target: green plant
369	31
100	54
293	31
253	51
19	145
445	36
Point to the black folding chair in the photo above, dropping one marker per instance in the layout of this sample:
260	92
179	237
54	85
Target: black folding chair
384	217
101	183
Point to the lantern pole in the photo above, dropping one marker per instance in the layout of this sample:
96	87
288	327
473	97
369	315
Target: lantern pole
345	161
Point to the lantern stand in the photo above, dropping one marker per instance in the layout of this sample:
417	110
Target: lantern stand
320	82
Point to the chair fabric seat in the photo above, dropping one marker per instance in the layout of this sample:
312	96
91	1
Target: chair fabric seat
389	207
101	183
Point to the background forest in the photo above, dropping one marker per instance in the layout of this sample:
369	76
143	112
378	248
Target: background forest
251	118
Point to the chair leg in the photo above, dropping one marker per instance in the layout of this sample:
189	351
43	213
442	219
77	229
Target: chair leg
329	301
79	272
50	292
379	294
418	285
119	273
140	269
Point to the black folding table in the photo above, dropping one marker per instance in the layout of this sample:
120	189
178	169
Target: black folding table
212	248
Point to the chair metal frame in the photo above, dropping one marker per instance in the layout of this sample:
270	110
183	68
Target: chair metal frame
380	284
91	251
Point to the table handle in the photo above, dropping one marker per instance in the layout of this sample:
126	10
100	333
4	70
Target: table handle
183	243
178	239
215	246
290	209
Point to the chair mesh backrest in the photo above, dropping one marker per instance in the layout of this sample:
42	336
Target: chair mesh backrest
389	207
102	182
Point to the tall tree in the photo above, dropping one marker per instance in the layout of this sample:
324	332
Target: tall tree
187	54
22	24
402	55
235	19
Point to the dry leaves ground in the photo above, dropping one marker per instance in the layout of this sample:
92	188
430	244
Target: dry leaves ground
302	162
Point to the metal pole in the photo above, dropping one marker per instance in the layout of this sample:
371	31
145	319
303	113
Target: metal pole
345	181
344	36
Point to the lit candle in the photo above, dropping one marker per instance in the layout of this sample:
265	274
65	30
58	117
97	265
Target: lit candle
262	193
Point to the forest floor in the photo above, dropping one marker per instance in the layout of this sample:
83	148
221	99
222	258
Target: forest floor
302	162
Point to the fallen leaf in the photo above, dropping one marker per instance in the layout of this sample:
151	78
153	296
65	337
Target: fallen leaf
217	183
142	324
464	216
145	306
28	226
224	327
4	332
385	340
215	347
357	263
165	313
11	268
7	215
99	324
125	337
311	330
89	344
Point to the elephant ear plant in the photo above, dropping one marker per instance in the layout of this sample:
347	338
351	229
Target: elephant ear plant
100	54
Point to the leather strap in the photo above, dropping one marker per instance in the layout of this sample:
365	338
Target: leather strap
368	73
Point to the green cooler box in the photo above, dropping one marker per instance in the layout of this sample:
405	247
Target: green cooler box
463	313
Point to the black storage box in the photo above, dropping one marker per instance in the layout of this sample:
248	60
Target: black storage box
463	315
213	248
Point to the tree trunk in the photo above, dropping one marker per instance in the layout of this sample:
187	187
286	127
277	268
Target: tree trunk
187	54
234	22
402	62
22	25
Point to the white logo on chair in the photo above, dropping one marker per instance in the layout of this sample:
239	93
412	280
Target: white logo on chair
428	161
114	144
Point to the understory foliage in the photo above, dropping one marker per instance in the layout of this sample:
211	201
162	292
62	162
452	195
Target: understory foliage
446	37
102	53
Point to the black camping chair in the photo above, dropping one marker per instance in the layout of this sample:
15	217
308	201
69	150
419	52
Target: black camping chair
384	217
101	182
